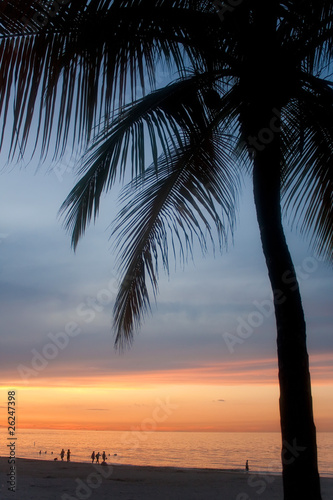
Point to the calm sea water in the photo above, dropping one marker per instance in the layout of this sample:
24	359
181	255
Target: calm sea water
177	449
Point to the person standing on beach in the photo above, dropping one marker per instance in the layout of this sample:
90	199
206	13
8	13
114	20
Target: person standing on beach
68	455
93	457
247	466
97	457
104	456
62	454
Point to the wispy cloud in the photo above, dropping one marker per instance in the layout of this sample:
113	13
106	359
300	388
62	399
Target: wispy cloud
97	409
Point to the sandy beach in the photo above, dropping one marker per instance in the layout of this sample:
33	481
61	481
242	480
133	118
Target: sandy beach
56	480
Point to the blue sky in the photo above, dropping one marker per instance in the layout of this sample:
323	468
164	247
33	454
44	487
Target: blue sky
44	285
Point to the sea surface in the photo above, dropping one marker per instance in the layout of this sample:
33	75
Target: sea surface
217	450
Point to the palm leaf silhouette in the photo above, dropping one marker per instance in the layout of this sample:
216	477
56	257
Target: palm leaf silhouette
251	93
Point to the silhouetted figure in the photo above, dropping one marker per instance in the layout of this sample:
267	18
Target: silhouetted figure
68	455
104	456
247	465
40	452
93	457
97	457
62	454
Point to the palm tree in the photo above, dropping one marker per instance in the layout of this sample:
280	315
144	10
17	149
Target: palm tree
252	95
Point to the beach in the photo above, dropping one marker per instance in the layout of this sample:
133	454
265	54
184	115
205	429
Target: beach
56	480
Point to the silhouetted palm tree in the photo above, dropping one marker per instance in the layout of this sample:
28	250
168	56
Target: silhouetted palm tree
252	94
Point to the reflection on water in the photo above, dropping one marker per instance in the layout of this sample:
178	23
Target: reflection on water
179	449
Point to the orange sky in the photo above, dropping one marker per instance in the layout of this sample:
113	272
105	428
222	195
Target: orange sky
181	354
227	397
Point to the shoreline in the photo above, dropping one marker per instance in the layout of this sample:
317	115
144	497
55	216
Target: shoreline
189	468
26	460
116	464
38	479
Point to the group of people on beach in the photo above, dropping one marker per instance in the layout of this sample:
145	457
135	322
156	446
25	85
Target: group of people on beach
62	454
97	455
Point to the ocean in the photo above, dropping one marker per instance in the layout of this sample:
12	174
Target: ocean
217	450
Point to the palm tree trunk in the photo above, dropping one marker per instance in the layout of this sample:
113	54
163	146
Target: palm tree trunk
299	449
263	83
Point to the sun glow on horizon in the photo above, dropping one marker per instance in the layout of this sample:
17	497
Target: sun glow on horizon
147	403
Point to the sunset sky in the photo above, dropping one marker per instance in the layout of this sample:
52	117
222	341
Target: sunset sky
204	360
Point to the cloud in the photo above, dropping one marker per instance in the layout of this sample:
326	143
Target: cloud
97	409
43	282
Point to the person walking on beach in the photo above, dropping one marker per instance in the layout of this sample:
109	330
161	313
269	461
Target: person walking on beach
68	455
93	457
62	454
97	457
104	456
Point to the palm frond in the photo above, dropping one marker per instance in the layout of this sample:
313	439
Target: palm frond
308	186
87	57
191	187
163	116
